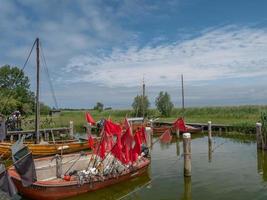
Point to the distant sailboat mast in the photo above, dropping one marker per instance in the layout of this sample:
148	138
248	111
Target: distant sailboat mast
143	97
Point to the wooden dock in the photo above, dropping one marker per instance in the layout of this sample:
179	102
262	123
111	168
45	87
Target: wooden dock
44	132
215	127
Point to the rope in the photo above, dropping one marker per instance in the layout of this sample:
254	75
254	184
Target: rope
48	76
17	77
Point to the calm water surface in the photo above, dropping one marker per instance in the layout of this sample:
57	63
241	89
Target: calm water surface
232	169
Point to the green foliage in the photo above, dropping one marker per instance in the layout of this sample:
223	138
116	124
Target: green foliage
140	105
164	104
14	90
99	106
44	109
264	122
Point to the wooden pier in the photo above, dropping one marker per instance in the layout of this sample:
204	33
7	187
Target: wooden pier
44	132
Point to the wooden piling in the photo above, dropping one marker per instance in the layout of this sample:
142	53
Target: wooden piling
177	133
71	129
209	131
187	153
260	144
149	137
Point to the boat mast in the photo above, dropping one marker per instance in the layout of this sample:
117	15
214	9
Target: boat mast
37	104
143	97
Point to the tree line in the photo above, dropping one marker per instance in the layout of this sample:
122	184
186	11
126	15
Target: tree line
15	93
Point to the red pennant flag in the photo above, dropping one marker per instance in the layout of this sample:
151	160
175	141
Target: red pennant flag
91	141
166	137
143	135
137	147
112	128
180	124
117	153
89	118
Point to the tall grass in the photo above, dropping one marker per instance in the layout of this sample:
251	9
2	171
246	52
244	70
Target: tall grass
239	116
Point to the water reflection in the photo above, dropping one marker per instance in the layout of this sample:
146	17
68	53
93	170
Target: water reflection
210	151
262	164
177	147
187	194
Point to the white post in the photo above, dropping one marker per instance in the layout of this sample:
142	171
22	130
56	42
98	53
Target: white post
177	133
209	131
71	129
260	143
149	137
187	153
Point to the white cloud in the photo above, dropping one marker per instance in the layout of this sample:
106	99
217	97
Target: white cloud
227	52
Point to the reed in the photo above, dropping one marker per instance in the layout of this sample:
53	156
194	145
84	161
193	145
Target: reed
242	117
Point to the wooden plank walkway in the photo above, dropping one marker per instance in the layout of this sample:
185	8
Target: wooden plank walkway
55	130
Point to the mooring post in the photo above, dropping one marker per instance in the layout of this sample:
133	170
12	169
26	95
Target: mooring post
88	128
71	129
260	144
149	137
187	153
177	133
209	131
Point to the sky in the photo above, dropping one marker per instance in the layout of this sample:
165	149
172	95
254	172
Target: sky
102	50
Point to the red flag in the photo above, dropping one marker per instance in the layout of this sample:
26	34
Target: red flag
137	147
89	118
166	137
180	124
143	135
112	128
116	151
127	142
91	141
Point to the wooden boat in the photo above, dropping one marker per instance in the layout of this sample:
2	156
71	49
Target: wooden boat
160	127
47	148
49	187
39	148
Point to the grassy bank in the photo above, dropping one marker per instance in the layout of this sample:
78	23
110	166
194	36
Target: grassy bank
239	116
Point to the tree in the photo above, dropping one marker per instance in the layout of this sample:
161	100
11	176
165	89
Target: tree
99	106
164	104
15	90
140	105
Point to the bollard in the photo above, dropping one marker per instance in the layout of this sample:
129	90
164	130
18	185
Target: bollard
260	144
209	130
71	129
177	133
149	137
187	153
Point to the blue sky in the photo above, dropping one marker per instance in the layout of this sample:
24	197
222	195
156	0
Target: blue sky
101	50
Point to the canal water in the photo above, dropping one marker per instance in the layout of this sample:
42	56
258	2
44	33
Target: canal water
231	168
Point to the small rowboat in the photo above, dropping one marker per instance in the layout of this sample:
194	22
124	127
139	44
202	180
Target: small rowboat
160	127
49	187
